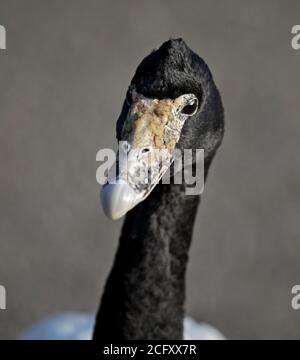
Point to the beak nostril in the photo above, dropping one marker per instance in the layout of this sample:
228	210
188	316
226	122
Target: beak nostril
145	150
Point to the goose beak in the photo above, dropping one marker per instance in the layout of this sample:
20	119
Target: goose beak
149	136
134	182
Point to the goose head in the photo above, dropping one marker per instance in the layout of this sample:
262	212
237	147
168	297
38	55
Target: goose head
171	104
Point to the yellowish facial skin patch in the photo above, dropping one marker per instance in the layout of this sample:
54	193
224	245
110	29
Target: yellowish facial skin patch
153	123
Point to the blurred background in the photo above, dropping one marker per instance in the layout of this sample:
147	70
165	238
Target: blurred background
63	79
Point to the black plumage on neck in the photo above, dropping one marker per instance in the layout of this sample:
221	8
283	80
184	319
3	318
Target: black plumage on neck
145	292
144	296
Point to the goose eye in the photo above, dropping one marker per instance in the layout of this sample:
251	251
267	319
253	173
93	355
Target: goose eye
190	108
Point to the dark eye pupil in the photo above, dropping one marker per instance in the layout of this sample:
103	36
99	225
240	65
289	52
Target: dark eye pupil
190	108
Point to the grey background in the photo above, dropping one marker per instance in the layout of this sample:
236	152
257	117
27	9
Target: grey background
63	78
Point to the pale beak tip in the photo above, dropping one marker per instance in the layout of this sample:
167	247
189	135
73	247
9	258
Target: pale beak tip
117	199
